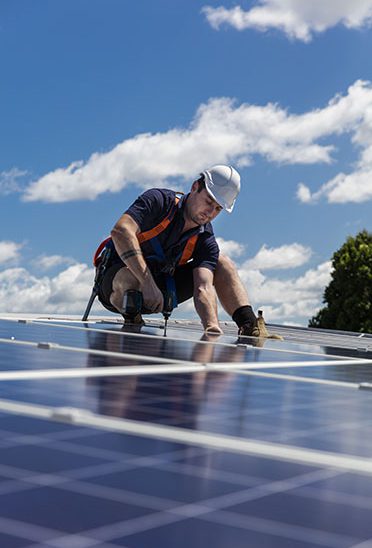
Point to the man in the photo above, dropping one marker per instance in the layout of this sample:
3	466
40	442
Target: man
165	243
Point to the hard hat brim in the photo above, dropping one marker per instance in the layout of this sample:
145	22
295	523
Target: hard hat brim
221	202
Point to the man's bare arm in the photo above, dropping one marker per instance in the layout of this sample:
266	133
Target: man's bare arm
124	236
205	299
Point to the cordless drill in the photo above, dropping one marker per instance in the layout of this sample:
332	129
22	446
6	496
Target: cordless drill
133	303
167	308
132	306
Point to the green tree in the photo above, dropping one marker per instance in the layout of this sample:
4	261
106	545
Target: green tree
348	296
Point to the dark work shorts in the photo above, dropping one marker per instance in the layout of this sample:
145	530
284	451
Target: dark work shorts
183	278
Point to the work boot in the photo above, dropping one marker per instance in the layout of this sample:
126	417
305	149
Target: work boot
249	329
257	329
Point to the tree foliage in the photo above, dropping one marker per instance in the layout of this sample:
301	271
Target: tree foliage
348	296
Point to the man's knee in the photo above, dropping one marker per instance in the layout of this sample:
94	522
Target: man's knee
122	281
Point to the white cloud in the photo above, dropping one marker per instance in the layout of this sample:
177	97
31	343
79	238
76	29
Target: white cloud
230	247
293	299
47	262
220	132
68	292
223	131
9	181
285	256
355	187
9	251
304	194
298	19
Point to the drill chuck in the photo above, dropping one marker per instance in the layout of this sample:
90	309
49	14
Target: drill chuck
168	303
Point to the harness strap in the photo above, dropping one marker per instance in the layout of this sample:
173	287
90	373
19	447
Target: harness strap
153	232
151	235
189	249
99	250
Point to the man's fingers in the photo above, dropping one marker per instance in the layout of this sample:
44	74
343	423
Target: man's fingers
159	305
155	306
153	300
159	308
214	330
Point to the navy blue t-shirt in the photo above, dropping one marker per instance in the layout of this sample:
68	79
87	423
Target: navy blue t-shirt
151	207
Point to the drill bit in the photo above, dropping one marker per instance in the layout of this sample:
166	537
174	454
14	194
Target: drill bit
166	317
167	309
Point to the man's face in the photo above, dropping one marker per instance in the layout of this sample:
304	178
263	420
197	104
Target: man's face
202	208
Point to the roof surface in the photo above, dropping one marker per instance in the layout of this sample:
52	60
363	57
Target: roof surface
114	437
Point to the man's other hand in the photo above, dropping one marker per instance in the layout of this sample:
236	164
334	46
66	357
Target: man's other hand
213	330
153	300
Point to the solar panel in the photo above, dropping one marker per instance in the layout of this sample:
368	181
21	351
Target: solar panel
111	437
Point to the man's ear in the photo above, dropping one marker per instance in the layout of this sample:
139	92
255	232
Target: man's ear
194	186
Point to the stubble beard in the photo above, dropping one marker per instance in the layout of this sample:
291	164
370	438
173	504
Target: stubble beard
194	217
197	220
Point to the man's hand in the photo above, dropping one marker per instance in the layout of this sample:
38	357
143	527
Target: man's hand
153	299
124	236
213	330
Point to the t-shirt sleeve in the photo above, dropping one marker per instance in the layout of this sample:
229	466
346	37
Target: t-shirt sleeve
206	253
148	206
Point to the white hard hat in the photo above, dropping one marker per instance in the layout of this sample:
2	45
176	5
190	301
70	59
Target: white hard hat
223	184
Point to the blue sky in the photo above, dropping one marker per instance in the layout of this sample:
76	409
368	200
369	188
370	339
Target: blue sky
100	99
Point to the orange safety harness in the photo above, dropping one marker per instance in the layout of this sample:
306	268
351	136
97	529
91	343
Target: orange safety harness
151	236
102	256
